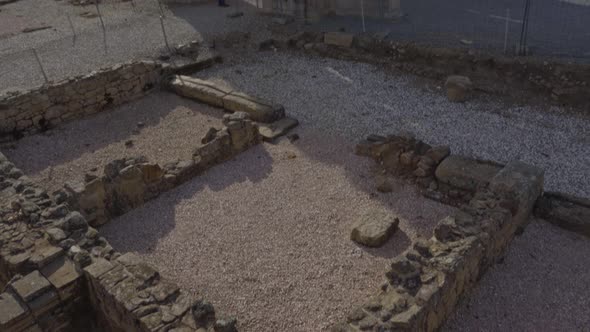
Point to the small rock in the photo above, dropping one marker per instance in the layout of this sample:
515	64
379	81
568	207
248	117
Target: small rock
129	143
458	88
374	228
140	124
56	235
225	325
383	185
210	135
293	137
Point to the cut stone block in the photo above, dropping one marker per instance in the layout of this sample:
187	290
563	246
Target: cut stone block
465	173
31	286
62	274
338	39
44	253
200	90
279	128
14	315
374	229
521	181
98	268
259	110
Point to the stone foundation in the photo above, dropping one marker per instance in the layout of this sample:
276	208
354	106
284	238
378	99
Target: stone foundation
425	283
55	265
38	109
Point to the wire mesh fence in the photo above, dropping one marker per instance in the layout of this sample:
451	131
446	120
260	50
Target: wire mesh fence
548	28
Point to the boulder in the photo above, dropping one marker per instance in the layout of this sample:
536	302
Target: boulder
458	88
374	229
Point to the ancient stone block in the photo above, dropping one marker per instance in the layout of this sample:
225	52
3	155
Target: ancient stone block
279	128
15	315
458	88
62	274
374	228
200	90
338	39
258	109
30	286
465	173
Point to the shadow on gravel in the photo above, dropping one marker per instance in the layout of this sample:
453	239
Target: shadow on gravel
68	142
140	230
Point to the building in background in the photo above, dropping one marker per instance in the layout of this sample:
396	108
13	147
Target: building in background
312	9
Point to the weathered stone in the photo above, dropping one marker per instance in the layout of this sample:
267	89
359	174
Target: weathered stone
571	213
200	90
62	274
374	228
98	268
259	110
31	286
458	88
383	184
210	135
14	315
338	39
74	221
464	173
225	325
276	129
56	235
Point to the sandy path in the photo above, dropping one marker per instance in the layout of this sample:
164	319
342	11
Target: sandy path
172	129
542	285
265	237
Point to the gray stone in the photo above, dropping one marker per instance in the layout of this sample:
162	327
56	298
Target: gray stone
374	228
74	221
31	286
338	39
278	128
226	325
458	88
465	173
56	235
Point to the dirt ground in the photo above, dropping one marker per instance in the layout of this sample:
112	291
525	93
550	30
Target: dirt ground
161	126
266	237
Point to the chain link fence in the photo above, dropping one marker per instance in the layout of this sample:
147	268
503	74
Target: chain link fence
544	28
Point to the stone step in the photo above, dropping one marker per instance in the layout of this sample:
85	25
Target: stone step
217	95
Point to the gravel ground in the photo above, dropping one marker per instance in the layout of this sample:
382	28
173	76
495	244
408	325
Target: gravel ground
265	237
353	100
131	33
542	285
172	129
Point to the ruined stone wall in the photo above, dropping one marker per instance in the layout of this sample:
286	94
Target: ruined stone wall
41	108
54	267
424	284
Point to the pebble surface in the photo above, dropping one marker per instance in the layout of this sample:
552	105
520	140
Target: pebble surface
161	126
354	100
266	237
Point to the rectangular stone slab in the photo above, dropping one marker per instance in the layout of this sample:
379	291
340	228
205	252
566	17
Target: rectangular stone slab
199	90
465	173
338	39
258	109
273	130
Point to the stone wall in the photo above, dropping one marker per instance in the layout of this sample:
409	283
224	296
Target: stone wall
126	184
565	83
444	177
424	284
41	108
54	267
